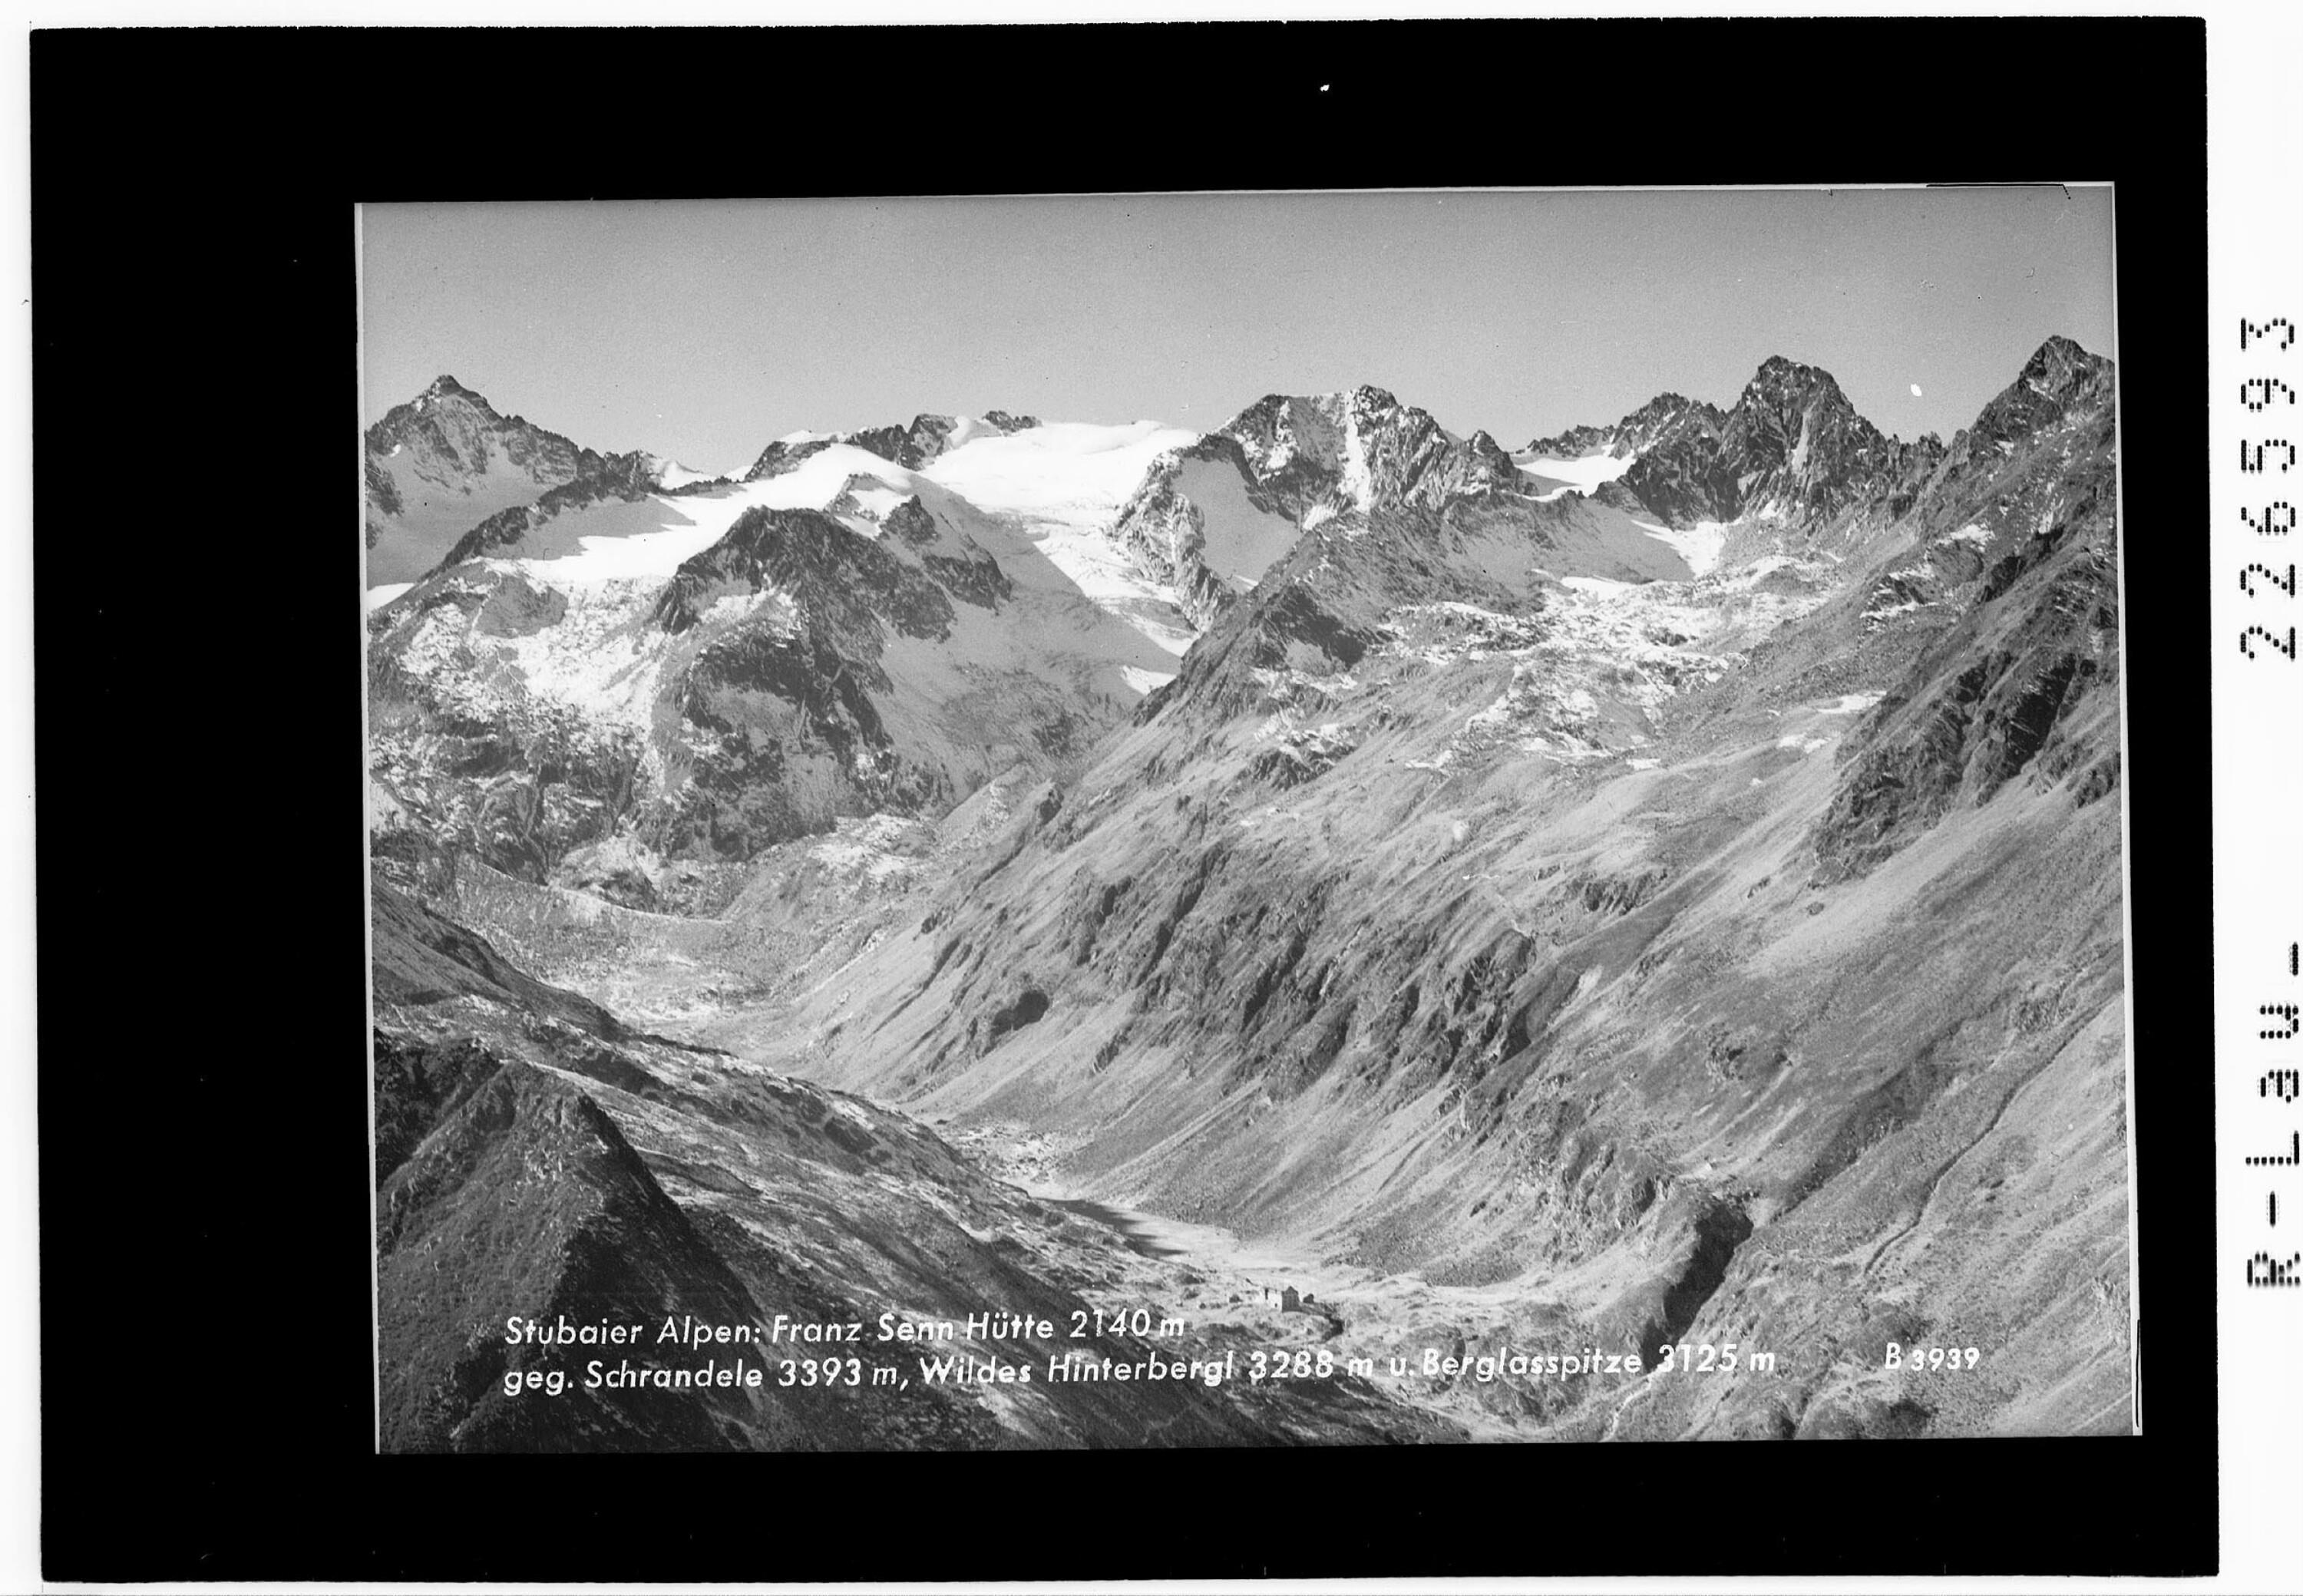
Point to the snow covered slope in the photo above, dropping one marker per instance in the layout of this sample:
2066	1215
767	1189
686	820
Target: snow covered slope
1061	487
442	463
880	621
1585	473
716	670
447	461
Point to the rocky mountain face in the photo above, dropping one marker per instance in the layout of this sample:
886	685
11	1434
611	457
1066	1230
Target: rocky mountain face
2013	602
699	674
445	461
540	1162
1319	456
1666	950
1204	526
695	674
1212	518
1670	450
911	447
1679	910
1791	449
1655	424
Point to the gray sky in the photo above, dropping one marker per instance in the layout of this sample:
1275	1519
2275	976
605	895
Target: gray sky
703	329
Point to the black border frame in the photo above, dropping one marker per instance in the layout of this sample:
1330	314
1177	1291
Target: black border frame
206	1409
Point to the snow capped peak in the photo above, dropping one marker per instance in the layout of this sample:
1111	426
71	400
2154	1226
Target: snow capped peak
1304	414
832	470
911	447
961	430
1060	470
443	462
1317	456
669	473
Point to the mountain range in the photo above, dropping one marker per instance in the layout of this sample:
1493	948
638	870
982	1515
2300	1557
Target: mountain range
1653	886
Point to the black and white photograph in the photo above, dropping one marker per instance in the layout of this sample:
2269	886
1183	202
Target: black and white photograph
1203	797
1243	819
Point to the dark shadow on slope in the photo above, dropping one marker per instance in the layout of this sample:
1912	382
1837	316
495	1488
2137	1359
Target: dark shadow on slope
1131	1230
1719	1230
